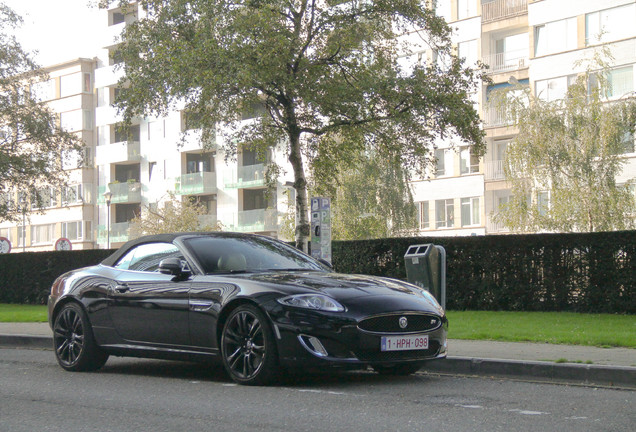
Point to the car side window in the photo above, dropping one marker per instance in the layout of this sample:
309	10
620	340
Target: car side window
146	257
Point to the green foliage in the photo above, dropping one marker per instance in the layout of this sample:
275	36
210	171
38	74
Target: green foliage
175	215
371	197
570	150
327	78
32	145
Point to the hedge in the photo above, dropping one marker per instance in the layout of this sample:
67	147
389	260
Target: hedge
591	272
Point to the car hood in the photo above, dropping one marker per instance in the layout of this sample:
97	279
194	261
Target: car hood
342	287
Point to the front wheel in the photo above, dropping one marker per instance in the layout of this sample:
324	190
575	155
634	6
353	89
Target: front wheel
248	348
75	347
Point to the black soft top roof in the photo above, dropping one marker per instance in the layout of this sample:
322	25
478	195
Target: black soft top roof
166	238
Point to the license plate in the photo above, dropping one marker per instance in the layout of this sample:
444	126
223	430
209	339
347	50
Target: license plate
404	343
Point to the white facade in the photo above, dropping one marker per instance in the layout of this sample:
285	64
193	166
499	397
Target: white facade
535	43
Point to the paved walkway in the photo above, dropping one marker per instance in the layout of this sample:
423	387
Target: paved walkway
568	363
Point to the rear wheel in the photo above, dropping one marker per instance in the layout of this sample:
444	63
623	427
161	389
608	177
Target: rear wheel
248	347
399	369
75	347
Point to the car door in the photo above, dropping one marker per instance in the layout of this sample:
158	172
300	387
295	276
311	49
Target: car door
147	306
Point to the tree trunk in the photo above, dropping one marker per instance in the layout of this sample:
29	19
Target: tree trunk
300	185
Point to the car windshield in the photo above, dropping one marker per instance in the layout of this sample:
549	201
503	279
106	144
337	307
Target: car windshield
248	254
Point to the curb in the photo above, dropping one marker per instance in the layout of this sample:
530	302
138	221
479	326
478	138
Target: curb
586	374
26	341
571	373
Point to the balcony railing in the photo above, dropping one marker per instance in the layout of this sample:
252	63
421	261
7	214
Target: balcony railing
507	61
118	232
494	117
128	192
247	176
207	221
257	220
495	170
124	151
196	183
495	227
500	9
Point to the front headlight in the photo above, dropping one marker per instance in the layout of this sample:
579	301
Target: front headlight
312	301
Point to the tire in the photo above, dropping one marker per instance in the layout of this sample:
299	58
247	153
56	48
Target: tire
398	370
75	347
248	347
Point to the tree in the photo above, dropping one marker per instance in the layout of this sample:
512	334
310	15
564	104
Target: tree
173	216
32	145
325	71
563	164
371	198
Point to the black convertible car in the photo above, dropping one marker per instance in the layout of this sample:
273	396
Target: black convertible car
257	303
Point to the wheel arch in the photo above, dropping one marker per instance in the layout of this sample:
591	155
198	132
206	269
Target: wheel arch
231	306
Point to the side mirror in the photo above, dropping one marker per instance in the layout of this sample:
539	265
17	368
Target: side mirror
325	262
170	266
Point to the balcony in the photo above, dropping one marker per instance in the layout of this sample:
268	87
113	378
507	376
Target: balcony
118	233
494	117
495	227
247	176
501	9
108	76
257	220
125	151
200	183
123	193
495	170
207	221
507	61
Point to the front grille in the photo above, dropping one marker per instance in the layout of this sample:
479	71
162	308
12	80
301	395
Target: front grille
379	356
391	323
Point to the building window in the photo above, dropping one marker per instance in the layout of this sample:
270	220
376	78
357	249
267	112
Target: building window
440	162
553	89
469	162
199	162
72	194
609	24
468	52
72	230
424	215
620	82
42	234
71	84
444	213
466	8
543	202
6	233
254	199
554	37
443	9
470	211
46	198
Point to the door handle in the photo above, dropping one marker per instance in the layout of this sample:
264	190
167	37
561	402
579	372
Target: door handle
121	288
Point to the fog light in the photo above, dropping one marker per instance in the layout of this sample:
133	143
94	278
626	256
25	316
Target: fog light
313	345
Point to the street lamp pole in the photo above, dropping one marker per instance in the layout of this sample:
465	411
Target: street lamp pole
23	205
108	195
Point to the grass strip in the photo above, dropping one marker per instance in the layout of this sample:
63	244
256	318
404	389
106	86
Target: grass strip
22	313
602	330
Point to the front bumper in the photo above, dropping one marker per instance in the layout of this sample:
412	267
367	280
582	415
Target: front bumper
317	339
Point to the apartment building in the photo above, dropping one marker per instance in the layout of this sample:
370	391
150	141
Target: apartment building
69	213
140	167
524	42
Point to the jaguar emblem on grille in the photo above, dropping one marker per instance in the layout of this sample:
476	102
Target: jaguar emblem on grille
403	322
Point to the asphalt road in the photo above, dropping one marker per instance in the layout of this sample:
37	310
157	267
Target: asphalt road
148	395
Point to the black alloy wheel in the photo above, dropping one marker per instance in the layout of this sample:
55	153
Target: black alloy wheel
75	347
247	346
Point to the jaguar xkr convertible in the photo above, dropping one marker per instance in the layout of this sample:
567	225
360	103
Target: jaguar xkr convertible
255	303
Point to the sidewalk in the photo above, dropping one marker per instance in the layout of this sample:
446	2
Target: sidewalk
530	361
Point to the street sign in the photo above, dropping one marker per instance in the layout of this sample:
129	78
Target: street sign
5	245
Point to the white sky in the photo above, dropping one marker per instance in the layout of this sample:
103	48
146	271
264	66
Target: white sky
60	30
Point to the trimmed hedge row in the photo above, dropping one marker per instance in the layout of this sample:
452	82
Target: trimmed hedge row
593	273
586	272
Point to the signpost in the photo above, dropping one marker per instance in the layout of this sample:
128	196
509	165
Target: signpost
5	245
321	228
